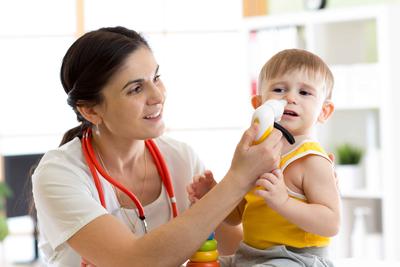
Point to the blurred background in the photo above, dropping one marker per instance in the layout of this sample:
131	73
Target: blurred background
210	53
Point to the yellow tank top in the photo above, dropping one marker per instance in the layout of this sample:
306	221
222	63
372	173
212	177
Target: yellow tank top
263	227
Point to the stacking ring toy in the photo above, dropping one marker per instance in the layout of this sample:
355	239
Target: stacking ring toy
203	264
205	256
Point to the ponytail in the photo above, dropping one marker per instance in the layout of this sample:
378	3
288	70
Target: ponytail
74	132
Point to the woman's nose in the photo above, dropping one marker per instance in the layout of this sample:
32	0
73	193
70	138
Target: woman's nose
157	94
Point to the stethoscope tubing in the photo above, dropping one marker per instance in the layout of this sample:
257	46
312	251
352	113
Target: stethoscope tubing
94	167
163	172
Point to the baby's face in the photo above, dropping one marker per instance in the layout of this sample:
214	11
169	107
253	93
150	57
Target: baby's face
305	96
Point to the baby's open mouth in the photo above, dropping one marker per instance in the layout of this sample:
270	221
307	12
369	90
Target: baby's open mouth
290	113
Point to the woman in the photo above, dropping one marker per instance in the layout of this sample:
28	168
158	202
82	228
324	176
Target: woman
113	84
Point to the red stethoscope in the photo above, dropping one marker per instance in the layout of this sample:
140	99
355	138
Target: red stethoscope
95	167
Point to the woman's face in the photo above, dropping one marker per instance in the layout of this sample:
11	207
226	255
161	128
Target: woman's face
134	99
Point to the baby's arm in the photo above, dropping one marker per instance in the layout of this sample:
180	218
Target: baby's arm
235	217
321	213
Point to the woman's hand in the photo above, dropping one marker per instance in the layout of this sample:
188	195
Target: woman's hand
251	161
201	184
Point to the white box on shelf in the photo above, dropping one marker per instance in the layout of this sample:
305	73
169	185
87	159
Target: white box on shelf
350	177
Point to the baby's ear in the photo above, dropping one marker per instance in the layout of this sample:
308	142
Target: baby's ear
326	111
256	101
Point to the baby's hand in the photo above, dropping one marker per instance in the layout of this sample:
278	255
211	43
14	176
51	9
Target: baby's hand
200	186
274	189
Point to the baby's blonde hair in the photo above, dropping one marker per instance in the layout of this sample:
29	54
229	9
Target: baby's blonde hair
297	59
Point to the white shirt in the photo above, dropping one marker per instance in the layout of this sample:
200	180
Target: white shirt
66	198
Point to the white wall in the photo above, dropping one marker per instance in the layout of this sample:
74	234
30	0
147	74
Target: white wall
198	44
33	37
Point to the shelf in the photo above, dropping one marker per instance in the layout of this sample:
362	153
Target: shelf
361	194
360	45
339	36
314	17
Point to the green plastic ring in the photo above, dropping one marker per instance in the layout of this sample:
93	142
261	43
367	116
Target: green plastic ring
209	245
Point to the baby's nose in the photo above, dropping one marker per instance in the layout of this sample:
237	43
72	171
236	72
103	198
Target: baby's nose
290	98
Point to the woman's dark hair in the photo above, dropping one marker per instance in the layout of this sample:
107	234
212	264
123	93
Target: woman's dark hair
90	63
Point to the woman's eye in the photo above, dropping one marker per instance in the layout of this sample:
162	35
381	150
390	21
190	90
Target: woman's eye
156	78
135	90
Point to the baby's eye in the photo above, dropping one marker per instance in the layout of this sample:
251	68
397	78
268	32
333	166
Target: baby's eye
303	92
278	90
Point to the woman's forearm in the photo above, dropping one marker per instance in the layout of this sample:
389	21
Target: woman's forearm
173	243
105	241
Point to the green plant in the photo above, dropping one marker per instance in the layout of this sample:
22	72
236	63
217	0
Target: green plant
5	192
348	154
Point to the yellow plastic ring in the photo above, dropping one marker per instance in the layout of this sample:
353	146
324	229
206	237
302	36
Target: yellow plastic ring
209	245
204	256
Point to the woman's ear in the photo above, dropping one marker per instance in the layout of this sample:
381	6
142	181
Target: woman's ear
326	112
90	113
256	101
